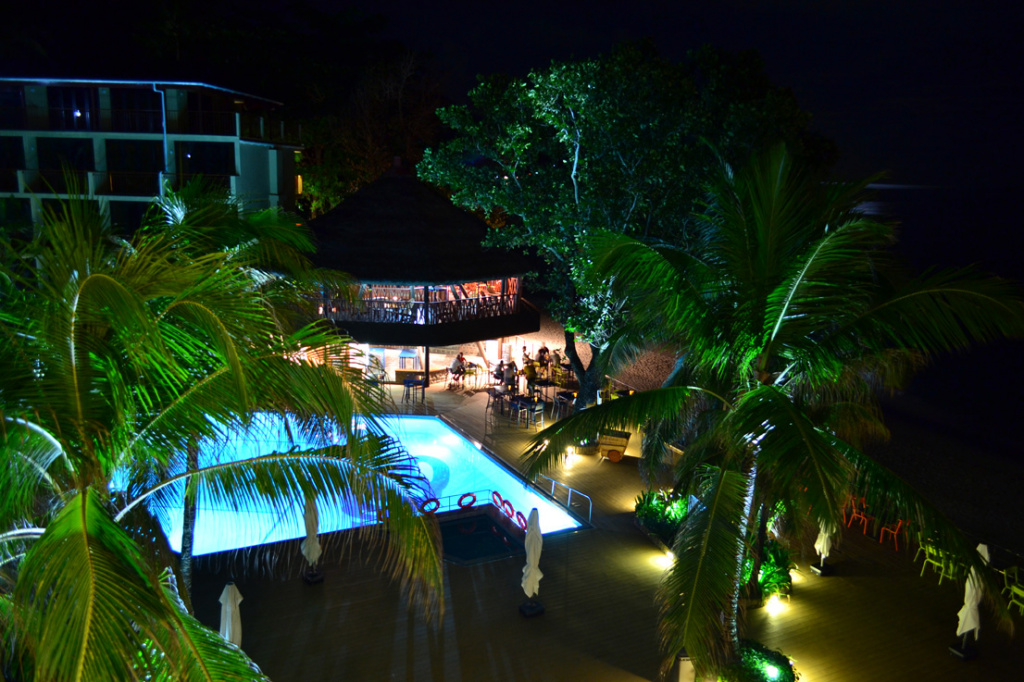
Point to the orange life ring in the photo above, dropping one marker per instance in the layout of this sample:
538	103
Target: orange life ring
615	455
509	510
426	503
466	505
521	520
496	498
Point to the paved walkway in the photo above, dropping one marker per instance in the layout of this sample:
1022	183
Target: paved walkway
874	620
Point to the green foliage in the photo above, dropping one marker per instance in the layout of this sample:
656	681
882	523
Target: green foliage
790	317
774	576
757	663
617	143
115	357
661	513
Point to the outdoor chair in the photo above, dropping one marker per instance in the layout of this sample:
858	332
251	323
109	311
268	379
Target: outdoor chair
893	529
537	413
940	562
860	515
1017	597
1011	577
411	387
520	410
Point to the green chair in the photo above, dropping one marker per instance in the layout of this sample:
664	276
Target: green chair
1017	597
1011	577
940	562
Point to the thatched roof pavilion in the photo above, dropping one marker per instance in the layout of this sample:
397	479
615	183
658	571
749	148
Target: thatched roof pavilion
425	280
398	230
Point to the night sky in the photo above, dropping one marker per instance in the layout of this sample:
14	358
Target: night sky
930	91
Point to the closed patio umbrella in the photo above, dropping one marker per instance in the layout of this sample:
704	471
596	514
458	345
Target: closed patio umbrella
969	618
823	545
231	614
531	571
310	546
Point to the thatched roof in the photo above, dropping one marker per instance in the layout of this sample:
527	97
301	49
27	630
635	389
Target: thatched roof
398	230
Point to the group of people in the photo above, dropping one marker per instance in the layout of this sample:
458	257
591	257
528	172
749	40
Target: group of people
533	368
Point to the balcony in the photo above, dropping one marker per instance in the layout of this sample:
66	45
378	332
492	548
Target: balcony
8	180
132	184
435	323
61	181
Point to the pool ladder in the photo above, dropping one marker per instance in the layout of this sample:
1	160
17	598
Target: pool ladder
557	487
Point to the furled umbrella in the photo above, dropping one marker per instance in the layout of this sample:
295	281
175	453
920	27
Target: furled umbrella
231	614
969	618
531	571
310	546
823	545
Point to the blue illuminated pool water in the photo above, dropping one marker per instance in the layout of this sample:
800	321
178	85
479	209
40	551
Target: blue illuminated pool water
452	464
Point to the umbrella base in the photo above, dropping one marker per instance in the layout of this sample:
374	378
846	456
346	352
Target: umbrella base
822	571
313	577
963	652
531	608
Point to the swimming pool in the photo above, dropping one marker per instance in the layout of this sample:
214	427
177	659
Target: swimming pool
453	465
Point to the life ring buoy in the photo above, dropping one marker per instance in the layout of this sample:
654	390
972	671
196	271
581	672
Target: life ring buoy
509	510
427	503
463	504
615	455
521	520
496	498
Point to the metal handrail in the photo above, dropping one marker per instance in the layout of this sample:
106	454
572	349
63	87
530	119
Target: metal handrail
569	493
451	502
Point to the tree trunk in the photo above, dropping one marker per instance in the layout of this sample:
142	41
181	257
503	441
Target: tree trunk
188	524
754	586
589	377
732	632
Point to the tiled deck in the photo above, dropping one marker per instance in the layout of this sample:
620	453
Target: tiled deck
874	620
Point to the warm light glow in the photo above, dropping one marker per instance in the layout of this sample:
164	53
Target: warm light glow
774	606
664	561
298	184
796	577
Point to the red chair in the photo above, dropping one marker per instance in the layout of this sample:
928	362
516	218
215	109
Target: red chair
860	515
893	529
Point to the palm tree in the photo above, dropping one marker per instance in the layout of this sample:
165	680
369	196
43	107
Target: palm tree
789	317
115	357
270	245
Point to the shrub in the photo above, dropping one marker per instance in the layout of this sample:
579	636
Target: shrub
757	663
661	513
775	567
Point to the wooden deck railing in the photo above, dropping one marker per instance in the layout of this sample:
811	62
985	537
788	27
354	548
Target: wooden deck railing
417	312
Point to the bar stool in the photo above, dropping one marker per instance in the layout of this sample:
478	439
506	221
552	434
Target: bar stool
410	389
560	406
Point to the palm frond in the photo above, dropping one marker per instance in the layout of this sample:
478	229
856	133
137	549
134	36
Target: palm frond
796	452
83	596
626	413
698	588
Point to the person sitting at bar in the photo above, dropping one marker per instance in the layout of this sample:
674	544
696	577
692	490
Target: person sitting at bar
499	371
510	376
458	368
543	359
530	374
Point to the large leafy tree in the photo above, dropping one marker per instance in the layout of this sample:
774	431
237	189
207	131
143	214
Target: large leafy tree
790	316
117	356
613	143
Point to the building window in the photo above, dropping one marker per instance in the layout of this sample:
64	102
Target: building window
12	107
133	110
73	108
